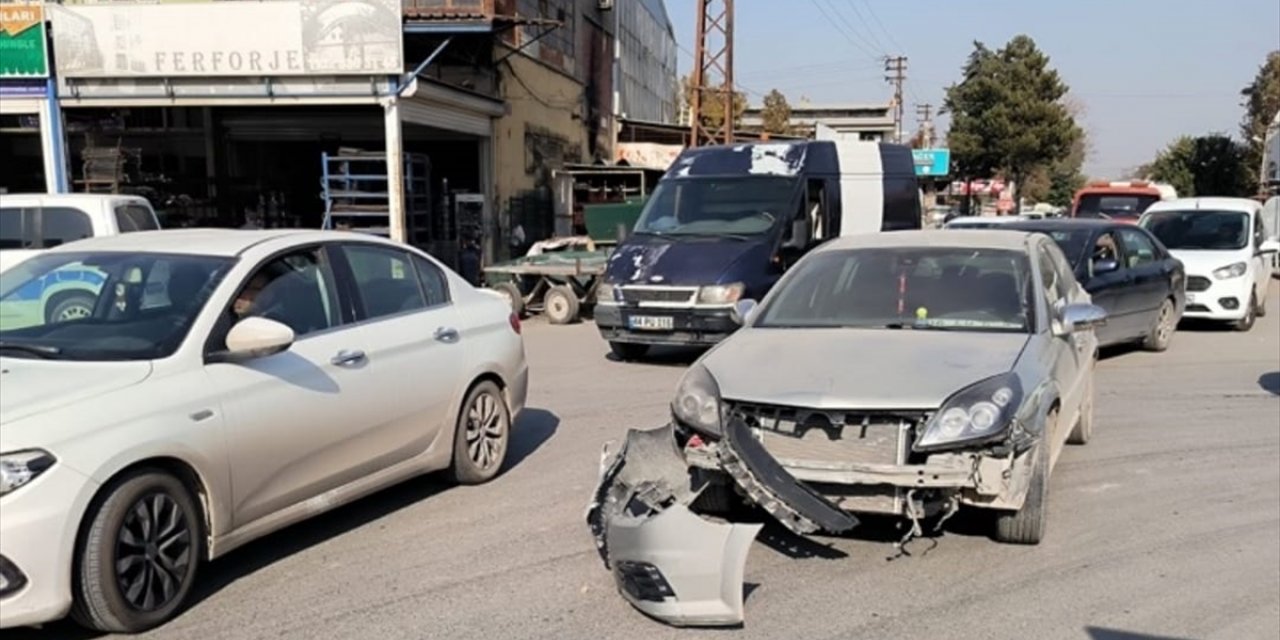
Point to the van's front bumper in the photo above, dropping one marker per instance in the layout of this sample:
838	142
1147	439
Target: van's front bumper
698	326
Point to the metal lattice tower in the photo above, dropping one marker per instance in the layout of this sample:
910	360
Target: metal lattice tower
712	73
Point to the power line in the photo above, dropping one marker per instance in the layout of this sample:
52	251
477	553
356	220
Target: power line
875	39
843	32
875	17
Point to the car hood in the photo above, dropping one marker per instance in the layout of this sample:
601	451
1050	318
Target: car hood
858	368
1198	262
687	261
31	387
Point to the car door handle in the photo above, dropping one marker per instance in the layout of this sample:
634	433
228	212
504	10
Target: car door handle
446	334
348	357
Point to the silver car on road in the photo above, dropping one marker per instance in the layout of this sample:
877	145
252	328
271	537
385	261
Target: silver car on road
905	374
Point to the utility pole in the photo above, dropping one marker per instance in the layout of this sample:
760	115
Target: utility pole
712	73
895	68
924	113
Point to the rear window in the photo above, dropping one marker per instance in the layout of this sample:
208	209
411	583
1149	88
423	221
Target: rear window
135	217
42	227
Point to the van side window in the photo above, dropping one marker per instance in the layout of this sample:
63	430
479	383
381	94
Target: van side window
134	217
60	225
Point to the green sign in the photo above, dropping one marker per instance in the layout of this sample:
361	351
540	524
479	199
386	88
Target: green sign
22	42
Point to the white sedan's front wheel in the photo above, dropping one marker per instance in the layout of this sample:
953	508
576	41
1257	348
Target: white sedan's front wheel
483	431
138	555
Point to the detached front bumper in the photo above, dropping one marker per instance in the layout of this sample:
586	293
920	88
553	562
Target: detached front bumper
668	562
688	326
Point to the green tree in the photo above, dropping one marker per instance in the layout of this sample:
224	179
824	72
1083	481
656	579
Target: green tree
1008	117
776	113
1211	165
1261	103
713	109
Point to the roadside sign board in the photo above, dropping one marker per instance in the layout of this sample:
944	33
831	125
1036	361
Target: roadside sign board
932	163
22	41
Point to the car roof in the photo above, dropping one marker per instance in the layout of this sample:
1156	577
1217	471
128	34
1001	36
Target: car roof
1243	205
208	242
995	220
975	239
1066	224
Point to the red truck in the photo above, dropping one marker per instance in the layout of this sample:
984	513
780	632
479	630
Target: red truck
1124	200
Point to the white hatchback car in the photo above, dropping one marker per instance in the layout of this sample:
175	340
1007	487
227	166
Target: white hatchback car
1223	244
227	384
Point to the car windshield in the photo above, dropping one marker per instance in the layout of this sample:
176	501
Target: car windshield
1200	229
1073	242
932	288
104	306
1096	205
718	206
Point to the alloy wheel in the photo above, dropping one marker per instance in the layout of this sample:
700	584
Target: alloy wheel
485	430
153	552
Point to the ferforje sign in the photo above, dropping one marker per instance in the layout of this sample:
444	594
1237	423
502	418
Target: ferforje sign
22	42
271	38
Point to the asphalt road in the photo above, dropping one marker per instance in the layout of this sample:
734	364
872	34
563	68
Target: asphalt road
1167	524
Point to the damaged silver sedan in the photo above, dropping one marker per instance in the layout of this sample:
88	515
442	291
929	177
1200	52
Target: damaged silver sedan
906	374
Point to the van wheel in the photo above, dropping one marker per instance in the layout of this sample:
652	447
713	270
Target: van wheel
73	305
628	351
1250	314
138	554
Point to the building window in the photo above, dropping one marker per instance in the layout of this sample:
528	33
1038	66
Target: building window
557	46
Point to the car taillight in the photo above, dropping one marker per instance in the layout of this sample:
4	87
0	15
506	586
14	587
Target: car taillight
515	323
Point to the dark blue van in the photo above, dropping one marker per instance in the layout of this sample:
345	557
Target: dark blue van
726	221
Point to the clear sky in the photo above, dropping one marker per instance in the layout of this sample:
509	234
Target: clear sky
1146	71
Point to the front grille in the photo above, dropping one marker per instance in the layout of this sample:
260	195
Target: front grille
798	434
659	295
1197	308
1198	283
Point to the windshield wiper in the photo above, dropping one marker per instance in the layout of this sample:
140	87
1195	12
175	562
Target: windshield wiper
41	350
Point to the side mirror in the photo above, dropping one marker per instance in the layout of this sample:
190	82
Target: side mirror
1269	246
741	312
1079	317
1105	266
257	338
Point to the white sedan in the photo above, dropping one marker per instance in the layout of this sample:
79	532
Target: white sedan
226	384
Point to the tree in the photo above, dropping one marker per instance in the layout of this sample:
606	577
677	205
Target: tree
712	108
1008	117
1261	103
776	113
1211	165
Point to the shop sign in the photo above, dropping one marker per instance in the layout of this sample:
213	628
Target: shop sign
22	88
932	163
22	42
278	38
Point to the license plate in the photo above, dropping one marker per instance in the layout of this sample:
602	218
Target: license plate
1191	298
652	323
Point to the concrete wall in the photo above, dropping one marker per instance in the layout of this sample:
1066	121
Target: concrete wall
543	131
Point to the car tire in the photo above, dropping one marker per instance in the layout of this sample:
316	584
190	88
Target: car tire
1250	315
69	306
482	435
146	528
560	304
1083	431
628	351
1161	332
1027	525
511	292
1261	310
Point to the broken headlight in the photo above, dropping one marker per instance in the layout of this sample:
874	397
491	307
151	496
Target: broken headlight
697	402
973	414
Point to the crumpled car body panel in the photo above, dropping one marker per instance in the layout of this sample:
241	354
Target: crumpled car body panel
680	568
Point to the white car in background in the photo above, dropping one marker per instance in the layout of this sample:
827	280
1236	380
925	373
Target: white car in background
1223	244
280	374
33	222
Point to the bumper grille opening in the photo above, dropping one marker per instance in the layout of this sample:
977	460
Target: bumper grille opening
643	581
669	295
840	436
12	580
1198	283
1199	308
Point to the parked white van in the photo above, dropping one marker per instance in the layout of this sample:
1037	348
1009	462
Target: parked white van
31	223
1223	244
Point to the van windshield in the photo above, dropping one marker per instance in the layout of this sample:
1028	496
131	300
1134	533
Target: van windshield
718	206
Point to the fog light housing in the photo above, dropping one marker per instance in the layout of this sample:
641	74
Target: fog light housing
1230	304
12	580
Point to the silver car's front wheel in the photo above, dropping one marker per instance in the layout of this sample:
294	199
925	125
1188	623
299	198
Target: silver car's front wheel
480	443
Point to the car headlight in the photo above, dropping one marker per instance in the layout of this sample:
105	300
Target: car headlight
21	467
606	293
720	293
1231	271
975	413
697	402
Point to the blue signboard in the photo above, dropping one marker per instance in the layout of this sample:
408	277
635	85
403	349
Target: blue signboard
932	162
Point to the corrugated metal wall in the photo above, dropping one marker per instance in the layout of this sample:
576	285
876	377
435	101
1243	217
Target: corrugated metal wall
648	88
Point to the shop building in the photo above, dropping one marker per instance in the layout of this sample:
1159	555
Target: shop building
30	149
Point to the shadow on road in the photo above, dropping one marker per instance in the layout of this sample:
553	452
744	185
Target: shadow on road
1204	326
1100	633
1117	350
1270	382
664	356
532	430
